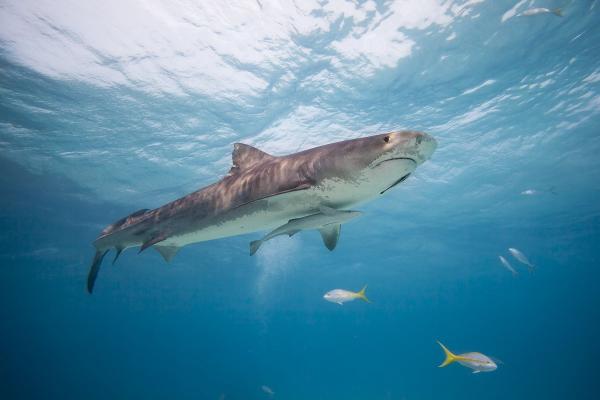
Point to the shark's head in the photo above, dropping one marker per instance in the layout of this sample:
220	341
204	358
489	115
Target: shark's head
371	165
414	146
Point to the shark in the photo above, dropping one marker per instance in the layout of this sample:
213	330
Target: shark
262	191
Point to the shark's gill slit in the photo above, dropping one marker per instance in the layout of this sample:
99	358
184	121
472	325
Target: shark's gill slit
396	183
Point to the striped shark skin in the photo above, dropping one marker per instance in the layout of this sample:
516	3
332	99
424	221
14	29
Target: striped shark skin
262	191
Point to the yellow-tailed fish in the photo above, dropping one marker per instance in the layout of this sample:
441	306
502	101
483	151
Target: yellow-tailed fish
476	361
340	296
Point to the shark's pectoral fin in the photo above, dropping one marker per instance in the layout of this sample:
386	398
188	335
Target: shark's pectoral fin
167	252
292	233
327	210
94	269
330	235
155	239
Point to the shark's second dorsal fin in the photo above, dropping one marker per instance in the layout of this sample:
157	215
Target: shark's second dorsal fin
245	156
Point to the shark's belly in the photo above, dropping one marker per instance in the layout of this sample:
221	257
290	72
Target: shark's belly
272	212
277	210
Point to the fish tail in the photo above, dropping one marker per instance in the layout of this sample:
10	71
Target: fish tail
557	12
254	246
361	294
450	357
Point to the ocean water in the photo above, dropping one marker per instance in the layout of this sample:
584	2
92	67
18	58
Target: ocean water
109	107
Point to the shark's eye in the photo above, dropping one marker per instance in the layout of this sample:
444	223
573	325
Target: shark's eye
386	139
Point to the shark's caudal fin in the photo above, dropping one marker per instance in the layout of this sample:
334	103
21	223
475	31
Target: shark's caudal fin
558	12
361	294
94	269
330	235
450	357
254	246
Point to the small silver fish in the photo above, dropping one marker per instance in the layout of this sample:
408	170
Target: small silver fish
530	192
534	192
507	265
340	296
267	390
478	362
520	257
541	10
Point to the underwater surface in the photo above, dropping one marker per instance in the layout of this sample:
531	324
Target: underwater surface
109	107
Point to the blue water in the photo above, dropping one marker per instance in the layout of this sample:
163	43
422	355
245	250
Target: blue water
108	108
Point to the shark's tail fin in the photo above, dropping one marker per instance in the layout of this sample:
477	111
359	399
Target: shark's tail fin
361	294
558	12
254	246
450	357
94	269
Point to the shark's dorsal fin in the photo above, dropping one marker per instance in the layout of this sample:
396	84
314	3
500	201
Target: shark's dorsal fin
330	234
245	156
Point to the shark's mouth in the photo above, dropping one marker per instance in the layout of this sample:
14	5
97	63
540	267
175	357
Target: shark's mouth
395	159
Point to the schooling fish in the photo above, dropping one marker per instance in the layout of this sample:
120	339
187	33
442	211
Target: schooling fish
541	10
340	296
328	221
520	257
476	361
507	265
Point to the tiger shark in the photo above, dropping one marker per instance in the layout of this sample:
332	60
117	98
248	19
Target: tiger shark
262	191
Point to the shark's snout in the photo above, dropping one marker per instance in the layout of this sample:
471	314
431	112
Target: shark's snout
414	145
426	145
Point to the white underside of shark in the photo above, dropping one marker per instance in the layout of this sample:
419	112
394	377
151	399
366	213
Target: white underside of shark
278	210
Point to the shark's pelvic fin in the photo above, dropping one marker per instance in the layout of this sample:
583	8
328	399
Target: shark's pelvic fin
245	156
94	269
167	252
330	234
254	246
119	250
156	239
